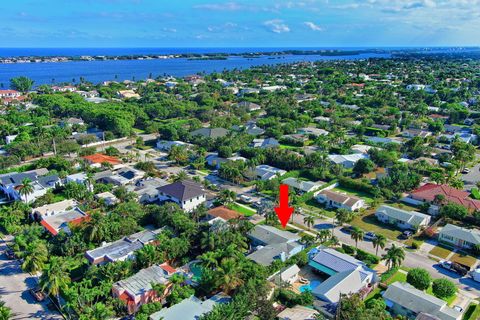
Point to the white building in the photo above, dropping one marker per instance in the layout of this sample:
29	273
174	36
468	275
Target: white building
339	200
188	195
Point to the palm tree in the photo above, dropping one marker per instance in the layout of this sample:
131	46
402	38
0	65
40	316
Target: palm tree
94	230
357	234
228	275
394	256
309	221
209	259
26	188
323	235
380	241
227	197
54	277
146	256
180	176
34	257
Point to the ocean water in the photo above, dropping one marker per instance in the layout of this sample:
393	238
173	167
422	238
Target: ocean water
119	70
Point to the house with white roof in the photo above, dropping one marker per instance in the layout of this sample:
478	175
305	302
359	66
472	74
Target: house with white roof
345	275
266	172
401	218
303	186
348	161
333	199
287	275
459	237
265	143
166	145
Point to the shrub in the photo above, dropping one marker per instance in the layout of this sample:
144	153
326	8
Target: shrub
443	288
419	278
348	249
415	245
366	257
291	299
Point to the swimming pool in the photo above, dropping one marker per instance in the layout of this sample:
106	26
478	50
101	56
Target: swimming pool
197	271
309	287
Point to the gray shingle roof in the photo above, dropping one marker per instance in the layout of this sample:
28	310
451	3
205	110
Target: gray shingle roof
418	301
411	217
189	309
272	235
210	132
469	235
182	190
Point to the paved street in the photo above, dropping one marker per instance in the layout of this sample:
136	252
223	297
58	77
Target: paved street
14	284
470	179
412	259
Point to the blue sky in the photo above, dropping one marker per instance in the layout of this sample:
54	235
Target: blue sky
211	23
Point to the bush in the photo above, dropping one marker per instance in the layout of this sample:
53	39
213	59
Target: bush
415	245
291	299
419	278
366	257
348	249
443	288
386	275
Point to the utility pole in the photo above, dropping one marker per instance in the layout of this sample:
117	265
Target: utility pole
54	147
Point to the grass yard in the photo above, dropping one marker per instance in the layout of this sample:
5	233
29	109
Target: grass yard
246	211
369	222
365	196
440	252
464	259
313	205
375	294
397	276
472	312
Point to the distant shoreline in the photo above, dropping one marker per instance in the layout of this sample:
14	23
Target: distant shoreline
189	56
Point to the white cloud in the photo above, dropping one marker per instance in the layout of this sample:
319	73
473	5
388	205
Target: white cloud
228	6
171	30
276	26
313	26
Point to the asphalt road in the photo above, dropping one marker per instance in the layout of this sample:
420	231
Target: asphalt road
470	179
412	259
14	284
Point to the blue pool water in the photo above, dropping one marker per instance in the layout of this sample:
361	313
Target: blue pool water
309	287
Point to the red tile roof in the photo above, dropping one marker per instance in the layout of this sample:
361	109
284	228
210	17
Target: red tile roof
428	192
224	213
101	158
168	268
49	227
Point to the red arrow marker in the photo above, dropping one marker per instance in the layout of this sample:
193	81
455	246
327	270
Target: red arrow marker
284	211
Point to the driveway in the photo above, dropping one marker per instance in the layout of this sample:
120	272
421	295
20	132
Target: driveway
14	284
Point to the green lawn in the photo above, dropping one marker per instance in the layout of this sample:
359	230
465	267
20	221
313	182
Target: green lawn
397	276
313	205
464	259
369	222
365	196
247	212
473	312
375	294
440	252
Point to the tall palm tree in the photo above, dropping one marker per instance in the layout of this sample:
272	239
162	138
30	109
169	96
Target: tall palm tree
209	259
228	275
357	234
55	277
309	220
34	257
227	197
26	188
394	256
323	235
181	175
146	256
94	230
380	241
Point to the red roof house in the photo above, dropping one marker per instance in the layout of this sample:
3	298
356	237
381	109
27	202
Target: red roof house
99	158
427	193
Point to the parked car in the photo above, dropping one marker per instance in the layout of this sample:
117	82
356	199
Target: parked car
370	236
455	267
458	308
407	234
37	294
465	171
